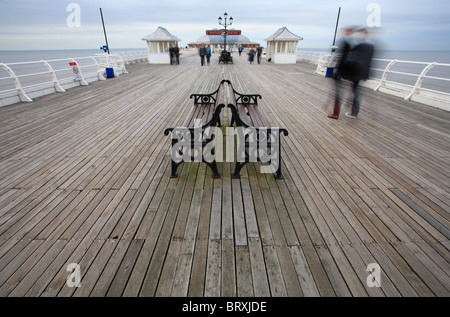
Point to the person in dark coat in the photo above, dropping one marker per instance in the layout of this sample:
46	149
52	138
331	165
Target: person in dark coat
342	69
258	53
176	55
202	53
251	55
171	54
360	61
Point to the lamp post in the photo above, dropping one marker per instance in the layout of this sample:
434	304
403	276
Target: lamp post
225	24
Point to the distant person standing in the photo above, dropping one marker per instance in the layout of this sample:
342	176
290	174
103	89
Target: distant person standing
176	55
240	50
208	55
171	54
202	53
251	55
258	53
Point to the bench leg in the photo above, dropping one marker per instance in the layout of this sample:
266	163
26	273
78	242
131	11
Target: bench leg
278	174
214	169
237	170
174	173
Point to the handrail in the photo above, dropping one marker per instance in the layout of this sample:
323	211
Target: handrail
58	87
58	70
325	60
22	95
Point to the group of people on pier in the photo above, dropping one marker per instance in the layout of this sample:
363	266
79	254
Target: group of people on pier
205	52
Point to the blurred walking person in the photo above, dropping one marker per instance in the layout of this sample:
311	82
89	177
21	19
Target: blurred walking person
342	69
362	55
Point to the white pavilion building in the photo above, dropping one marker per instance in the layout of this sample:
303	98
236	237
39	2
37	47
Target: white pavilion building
282	46
158	46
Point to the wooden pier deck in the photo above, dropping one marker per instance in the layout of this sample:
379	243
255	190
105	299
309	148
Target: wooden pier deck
85	180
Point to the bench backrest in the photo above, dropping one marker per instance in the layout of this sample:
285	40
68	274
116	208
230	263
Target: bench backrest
246	107
206	108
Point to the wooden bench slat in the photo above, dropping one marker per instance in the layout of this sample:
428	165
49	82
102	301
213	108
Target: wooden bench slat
256	116
243	115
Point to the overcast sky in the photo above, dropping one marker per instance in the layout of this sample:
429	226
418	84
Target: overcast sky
53	24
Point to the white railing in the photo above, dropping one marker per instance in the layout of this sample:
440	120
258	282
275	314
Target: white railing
310	56
423	82
24	81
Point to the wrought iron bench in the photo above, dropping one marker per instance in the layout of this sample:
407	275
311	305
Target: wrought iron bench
259	136
256	141
194	131
225	57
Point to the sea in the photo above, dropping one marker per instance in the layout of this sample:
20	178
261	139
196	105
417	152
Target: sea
405	73
10	56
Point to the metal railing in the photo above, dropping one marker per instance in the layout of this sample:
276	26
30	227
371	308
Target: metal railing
23	81
419	78
408	79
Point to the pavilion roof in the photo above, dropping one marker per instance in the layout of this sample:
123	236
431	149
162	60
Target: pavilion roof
283	34
161	34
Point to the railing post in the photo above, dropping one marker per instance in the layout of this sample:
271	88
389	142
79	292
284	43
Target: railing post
121	64
98	68
56	84
110	63
383	78
82	81
420	80
22	95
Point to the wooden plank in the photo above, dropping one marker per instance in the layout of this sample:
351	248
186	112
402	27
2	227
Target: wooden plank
182	275
244	283
91	275
121	278
198	270
60	263
305	277
213	278
150	284
259	269
274	273
168	272
111	269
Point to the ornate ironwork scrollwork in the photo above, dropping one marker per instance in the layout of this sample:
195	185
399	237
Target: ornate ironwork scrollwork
246	99
206	99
